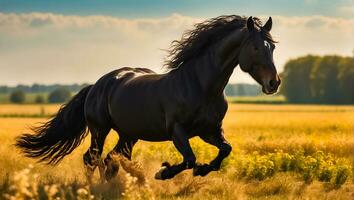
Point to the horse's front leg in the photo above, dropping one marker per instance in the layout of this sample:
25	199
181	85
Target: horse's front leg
181	142
224	147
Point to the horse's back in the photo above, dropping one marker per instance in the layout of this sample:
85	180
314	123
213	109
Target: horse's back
129	99
97	100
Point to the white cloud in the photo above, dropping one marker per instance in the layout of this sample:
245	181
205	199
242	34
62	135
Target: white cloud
47	48
312	35
347	10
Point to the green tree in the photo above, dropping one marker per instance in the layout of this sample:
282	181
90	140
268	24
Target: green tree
296	80
324	82
17	96
327	79
59	95
346	80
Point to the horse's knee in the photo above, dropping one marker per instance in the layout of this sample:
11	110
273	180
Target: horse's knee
225	149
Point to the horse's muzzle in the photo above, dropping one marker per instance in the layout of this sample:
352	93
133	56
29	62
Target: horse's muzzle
271	86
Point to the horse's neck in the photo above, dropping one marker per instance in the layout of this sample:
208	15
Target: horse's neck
213	69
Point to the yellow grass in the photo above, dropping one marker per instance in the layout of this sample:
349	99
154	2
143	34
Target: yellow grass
249	128
28	109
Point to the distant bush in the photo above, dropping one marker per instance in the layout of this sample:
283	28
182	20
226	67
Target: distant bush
39	99
17	96
59	95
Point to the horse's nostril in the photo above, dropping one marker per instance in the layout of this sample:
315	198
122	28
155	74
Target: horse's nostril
272	83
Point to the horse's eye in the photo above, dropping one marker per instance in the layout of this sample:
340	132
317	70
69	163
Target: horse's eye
255	48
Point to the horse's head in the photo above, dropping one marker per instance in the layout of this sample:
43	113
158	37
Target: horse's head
256	56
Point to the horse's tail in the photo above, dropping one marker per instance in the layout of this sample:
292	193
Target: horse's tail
58	137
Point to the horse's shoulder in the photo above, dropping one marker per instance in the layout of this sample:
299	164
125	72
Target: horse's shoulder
218	105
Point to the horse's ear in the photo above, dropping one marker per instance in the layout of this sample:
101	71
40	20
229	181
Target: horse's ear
250	24
268	25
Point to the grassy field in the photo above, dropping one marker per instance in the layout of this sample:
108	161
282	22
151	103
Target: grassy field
279	152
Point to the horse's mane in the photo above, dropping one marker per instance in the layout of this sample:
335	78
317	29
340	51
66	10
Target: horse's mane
195	42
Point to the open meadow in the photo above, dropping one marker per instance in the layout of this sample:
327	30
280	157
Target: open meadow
279	152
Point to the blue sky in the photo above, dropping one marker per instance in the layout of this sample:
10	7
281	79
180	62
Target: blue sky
198	8
62	41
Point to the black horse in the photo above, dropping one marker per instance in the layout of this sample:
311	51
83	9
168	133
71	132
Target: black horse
187	101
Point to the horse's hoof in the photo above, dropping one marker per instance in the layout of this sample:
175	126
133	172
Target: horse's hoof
166	164
201	169
164	173
161	174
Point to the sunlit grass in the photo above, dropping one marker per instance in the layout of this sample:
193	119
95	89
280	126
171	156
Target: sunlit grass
276	155
28	110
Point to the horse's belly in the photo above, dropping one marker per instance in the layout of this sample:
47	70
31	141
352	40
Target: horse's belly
140	127
140	118
149	135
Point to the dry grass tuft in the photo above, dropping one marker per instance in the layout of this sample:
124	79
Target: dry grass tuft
278	185
132	167
190	187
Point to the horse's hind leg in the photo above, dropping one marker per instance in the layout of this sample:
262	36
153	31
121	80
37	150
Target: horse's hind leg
124	147
92	157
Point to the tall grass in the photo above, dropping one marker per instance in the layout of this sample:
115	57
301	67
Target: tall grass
279	152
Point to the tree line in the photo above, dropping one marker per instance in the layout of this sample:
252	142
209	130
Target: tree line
319	79
40	88
59	95
243	89
40	93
